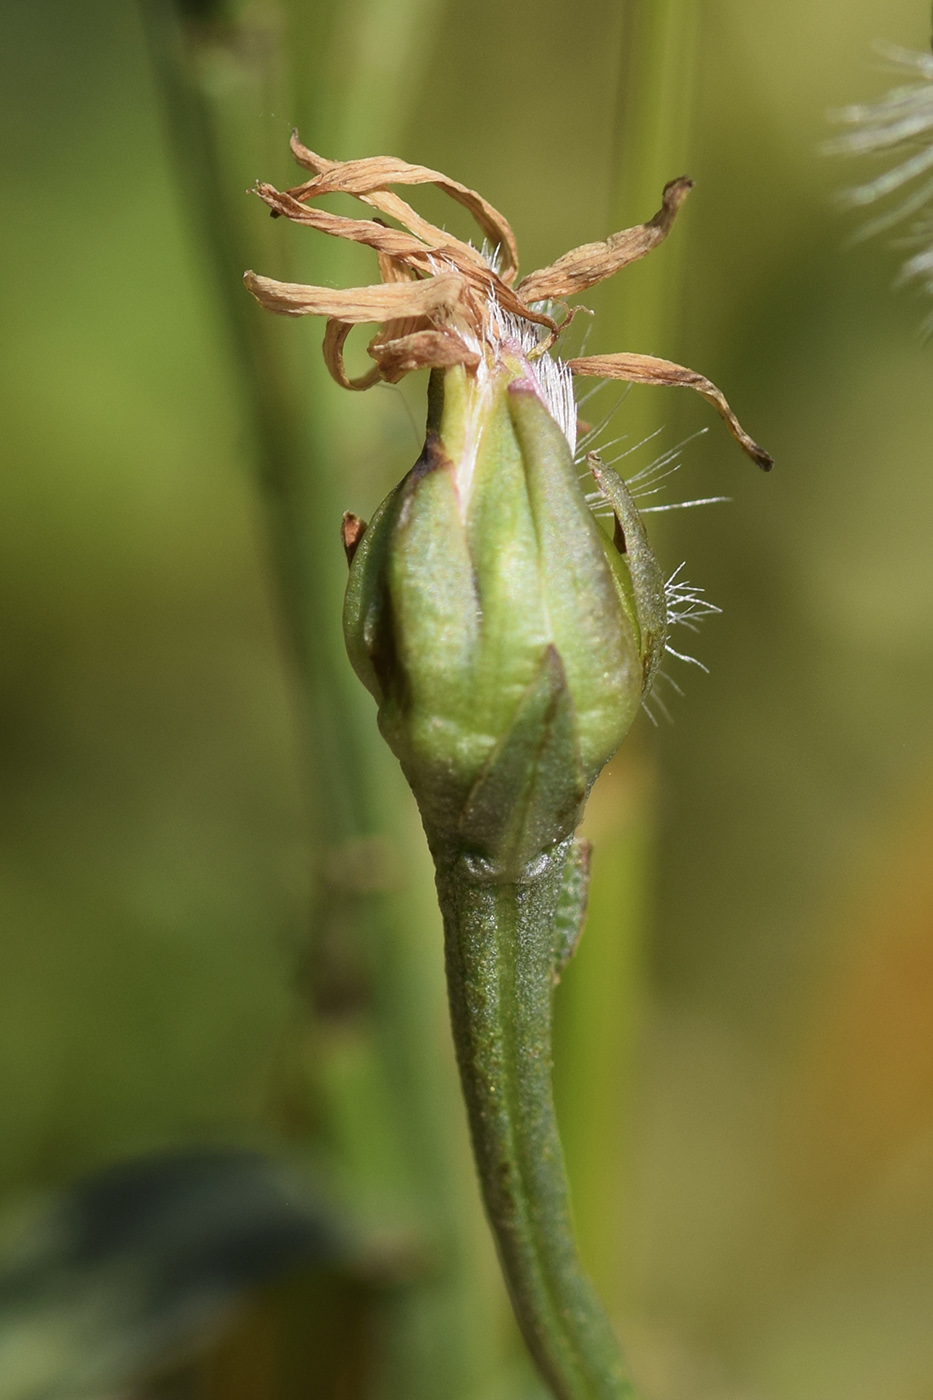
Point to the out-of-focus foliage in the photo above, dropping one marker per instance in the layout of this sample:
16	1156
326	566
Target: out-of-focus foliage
133	1265
745	1062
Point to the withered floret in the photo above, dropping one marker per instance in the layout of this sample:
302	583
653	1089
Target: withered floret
441	302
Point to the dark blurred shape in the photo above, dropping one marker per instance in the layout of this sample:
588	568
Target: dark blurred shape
135	1265
202	10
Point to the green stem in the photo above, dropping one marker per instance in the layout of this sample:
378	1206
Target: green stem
292	490
501	952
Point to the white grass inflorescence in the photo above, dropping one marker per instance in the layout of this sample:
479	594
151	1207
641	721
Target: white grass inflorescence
898	127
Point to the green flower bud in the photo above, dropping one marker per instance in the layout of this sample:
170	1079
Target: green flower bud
507	639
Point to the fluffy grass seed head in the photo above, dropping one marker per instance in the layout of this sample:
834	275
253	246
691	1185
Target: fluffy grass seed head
897	129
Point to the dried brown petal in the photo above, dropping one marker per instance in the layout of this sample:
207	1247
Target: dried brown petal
373	176
436	296
427	349
592	262
308	159
396	242
408	252
438	239
394	270
646	369
335	336
390	204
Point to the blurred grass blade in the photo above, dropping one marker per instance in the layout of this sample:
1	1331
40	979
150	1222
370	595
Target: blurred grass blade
656	88
598	1004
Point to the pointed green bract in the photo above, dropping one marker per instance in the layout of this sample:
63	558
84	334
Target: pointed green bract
592	633
570	914
364	625
529	795
642	580
504	547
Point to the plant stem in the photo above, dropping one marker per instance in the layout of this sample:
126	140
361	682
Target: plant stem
500	950
599	1005
598	1010
657	81
293	491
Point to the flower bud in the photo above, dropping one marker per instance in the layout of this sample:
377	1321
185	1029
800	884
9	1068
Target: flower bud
506	638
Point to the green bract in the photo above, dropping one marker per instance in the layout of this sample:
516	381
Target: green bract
508	641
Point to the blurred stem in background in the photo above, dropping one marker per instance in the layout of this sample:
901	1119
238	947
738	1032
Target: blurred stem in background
389	1117
599	1001
598	1008
657	84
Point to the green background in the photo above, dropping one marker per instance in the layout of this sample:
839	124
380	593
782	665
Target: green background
745	1043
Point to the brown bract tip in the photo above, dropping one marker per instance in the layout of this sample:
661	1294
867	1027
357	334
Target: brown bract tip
593	262
647	369
352	530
